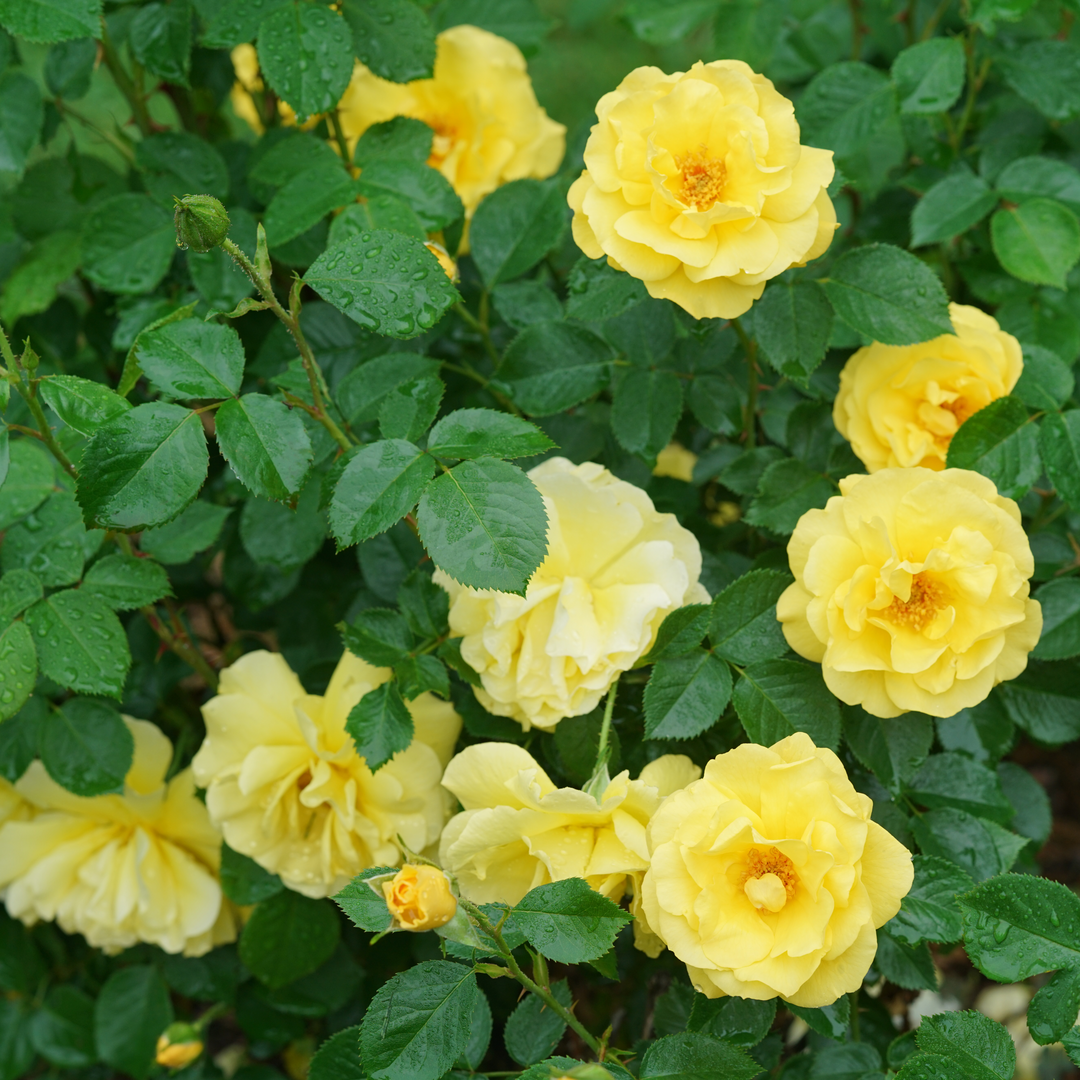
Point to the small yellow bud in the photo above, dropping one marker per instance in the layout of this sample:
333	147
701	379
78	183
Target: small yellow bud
178	1045
419	898
448	264
201	222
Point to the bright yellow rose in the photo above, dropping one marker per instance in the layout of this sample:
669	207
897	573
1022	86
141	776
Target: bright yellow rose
901	404
614	568
287	788
178	1045
480	103
911	590
696	183
419	898
769	878
676	461
517	830
120	869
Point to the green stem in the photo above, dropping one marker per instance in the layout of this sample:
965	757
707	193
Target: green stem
975	80
858	28
211	1014
542	992
603	748
931	23
291	319
480	326
124	83
180	644
334	122
28	395
853	997
749	420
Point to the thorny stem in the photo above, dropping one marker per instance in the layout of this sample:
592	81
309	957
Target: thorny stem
542	992
29	396
291	319
750	348
125	84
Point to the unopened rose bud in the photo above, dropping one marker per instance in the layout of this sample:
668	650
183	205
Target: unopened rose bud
419	898
178	1045
448	264
201	222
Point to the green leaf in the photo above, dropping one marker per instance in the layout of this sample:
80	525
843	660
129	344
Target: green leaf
418	1022
597	292
568	922
999	442
81	403
128	244
192	359
484	524
952	205
680	632
474	433
1071	1042
387	282
29	481
1046	73
185	536
961	1046
305	199
979	847
266	444
418	675
379	486
403	137
533	1030
63	1030
787	489
305	54
1037	241
696	1056
986	731
143	467
1054	1008
1046	381
929	912
888	295
18	590
244	881
160	39
1059	444
427	192
18	666
275	535
515	227
50	542
553	366
338	1058
911	967
131	1012
33	284
394	38
1060	600
237	21
426	607
380	725
664	22
1043	700
364	905
955	780
744	627
792	323
987	12
408	410
362	392
132	372
776	698
377	212
522	303
519	21
929	76
1030	802
686	695
288	936
847	1061
830	1020
479	1035
124	582
378	635
86	747
891	748
80	643
51	20
1040	177
21	117
645	411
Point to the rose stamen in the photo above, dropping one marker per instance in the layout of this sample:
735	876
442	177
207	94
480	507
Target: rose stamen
924	602
771	861
703	178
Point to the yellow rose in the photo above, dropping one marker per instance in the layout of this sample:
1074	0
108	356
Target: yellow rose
696	183
120	869
901	404
13	807
517	830
769	878
480	103
676	461
287	788
178	1045
911	590
614	568
419	898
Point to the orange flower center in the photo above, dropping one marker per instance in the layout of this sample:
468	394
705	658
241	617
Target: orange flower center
703	178
926	599
769	880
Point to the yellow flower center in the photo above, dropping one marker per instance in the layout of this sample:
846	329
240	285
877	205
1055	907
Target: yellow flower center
924	602
703	178
770	879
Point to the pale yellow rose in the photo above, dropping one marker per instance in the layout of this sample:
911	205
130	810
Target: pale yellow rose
119	869
480	103
614	568
696	183
676	461
286	787
768	877
911	590
901	404
517	830
13	807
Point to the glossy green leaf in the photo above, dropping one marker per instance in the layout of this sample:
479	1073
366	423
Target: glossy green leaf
425	190
18	668
979	847
21	117
686	695
30	479
306	199
567	921
533	1030
951	207
1040	177
930	75
744	627
287	936
86	747
951	779
598	292
237	21
693	1055
961	1046
51	20
929	912
786	490
776	698
515	227
266	444
128	243
1046	73
130	1013
893	748
244	881
192	531
51	542
645	411
792	323
408	410
124	582
380	725
1059	445
18	590
192	359
474	433
1037	241
81	403
160	39
1045	383
999	442
394	38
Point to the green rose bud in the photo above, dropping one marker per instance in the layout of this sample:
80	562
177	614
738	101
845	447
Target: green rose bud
201	222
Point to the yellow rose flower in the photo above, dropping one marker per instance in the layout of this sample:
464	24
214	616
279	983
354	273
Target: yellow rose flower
286	787
13	807
769	878
178	1045
517	830
911	590
676	461
419	898
614	568
480	103
696	183
901	404
119	869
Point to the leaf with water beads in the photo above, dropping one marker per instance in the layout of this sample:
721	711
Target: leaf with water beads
387	282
